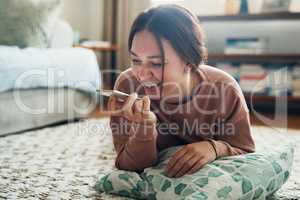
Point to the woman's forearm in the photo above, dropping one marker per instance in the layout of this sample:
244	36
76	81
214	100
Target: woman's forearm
139	151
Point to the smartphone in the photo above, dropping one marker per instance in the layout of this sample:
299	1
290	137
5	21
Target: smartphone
108	93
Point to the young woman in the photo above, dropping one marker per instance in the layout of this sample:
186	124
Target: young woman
175	99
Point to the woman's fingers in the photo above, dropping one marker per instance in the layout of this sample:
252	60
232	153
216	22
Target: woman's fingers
197	166
132	109
128	106
113	106
175	158
148	115
146	105
138	109
180	164
187	166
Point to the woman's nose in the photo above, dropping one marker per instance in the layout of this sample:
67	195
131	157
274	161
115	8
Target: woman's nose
144	74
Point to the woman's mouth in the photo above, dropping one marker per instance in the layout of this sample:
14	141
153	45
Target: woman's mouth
152	90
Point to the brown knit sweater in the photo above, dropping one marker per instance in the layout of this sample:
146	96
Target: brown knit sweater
217	112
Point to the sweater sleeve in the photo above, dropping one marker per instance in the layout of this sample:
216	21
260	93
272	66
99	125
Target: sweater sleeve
134	143
233	133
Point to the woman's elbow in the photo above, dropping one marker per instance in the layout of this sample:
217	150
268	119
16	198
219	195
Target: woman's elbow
248	149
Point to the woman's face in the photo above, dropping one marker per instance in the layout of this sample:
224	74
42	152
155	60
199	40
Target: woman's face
146	62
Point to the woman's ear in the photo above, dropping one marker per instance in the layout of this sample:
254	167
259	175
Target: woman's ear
187	67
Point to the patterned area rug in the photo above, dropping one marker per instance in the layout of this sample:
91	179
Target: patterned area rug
64	162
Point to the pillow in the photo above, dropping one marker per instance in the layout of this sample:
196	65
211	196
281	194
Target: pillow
250	176
22	23
61	35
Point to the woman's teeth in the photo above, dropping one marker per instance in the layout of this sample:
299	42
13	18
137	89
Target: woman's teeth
149	85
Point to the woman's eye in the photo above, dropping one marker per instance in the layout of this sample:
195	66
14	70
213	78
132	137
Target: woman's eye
156	64
136	62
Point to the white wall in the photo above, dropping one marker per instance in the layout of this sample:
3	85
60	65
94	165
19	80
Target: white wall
85	16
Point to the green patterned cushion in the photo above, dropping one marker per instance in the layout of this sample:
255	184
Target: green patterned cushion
250	176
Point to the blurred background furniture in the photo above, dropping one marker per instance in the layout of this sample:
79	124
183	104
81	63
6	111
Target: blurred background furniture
108	76
44	80
280	59
58	85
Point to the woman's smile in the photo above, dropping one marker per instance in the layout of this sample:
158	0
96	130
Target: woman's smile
152	90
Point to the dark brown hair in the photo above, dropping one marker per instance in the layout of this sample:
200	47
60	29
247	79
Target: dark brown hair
178	26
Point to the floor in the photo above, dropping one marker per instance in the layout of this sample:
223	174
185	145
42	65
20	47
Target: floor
65	162
293	121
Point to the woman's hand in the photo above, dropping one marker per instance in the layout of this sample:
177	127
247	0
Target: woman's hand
132	109
190	158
